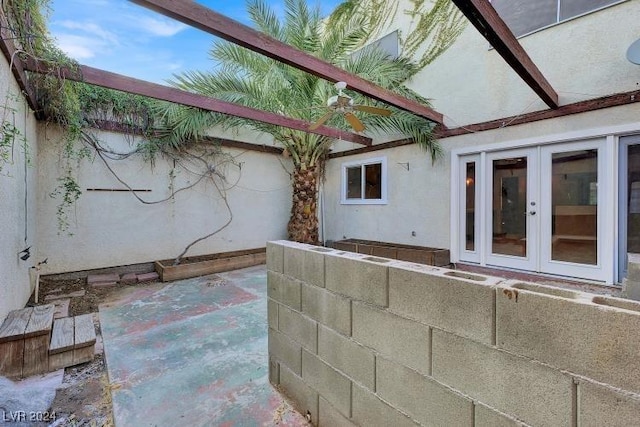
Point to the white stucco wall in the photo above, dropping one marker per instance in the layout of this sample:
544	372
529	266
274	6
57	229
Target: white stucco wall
582	59
17	188
113	228
419	199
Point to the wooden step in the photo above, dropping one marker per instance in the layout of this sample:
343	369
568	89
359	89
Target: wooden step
24	341
85	339
61	348
36	341
72	342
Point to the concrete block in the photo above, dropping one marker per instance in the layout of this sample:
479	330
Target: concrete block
369	410
283	289
331	385
396	338
285	351
148	277
304	397
306	265
422	398
462	305
633	267
102	278
275	257
631	289
272	313
347	356
274	371
328	416
327	308
129	279
600	406
355	276
489	417
589	335
298	327
519	387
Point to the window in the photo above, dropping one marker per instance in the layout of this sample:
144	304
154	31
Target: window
365	182
526	16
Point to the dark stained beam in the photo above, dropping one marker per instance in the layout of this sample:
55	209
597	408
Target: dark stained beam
119	127
9	50
122	83
608	101
485	18
207	20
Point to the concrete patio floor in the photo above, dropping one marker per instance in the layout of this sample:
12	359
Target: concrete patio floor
193	352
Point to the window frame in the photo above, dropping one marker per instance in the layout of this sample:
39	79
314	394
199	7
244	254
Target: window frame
362	163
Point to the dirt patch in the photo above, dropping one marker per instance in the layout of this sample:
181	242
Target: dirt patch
85	396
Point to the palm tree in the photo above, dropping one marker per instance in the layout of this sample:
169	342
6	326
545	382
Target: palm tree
244	77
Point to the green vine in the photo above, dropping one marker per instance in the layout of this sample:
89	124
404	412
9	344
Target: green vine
9	135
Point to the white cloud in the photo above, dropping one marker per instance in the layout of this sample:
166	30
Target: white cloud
161	27
90	28
76	47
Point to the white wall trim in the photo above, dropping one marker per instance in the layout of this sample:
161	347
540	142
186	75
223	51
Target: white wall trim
556	138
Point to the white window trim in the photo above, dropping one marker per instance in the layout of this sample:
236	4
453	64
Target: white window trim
361	163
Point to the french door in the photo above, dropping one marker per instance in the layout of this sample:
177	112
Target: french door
536	209
511	212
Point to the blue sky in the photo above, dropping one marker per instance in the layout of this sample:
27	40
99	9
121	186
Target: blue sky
122	37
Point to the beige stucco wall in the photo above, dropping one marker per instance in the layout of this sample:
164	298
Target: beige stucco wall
419	198
583	58
113	228
17	186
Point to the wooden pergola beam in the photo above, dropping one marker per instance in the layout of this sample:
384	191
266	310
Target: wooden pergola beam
122	83
10	52
207	20
485	18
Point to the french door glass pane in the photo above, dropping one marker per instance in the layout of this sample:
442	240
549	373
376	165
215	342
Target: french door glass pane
470	207
633	199
574	188
509	206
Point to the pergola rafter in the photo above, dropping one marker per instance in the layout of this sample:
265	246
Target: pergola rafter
10	52
122	83
207	20
485	18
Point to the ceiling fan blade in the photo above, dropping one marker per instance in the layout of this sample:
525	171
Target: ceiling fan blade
373	110
322	120
355	123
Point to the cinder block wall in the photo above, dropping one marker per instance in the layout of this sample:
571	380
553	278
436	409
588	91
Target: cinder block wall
369	341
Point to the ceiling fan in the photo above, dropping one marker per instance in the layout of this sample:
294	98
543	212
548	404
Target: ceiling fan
343	104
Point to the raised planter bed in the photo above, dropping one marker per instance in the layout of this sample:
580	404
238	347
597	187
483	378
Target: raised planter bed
209	264
418	254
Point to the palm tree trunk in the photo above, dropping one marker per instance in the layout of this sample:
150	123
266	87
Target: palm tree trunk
303	224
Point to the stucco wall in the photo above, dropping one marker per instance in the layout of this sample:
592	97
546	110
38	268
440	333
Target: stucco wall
583	58
113	228
419	198
369	341
17	198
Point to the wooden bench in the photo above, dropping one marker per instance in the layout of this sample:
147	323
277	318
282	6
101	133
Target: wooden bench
24	341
